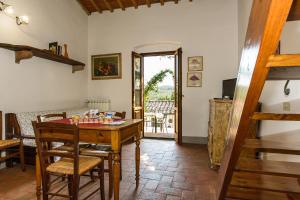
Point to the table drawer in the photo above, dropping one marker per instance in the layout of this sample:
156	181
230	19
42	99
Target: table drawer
129	133
95	136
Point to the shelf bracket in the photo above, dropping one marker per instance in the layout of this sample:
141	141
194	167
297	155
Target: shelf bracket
24	54
76	68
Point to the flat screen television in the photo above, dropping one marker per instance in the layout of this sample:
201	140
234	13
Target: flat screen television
228	88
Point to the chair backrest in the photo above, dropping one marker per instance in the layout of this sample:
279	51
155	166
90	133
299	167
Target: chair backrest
122	115
47	133
41	118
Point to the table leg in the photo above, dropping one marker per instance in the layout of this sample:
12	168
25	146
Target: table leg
116	146
38	176
155	124
116	166
137	154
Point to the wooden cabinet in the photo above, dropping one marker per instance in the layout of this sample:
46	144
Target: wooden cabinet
219	115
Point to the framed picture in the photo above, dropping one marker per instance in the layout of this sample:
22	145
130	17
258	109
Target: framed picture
195	63
194	79
53	47
107	66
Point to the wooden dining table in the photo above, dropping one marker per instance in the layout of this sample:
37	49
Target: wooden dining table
114	135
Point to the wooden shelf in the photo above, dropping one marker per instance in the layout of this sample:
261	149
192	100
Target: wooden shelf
26	52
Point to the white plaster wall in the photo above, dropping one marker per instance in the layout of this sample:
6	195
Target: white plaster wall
39	84
203	27
244	7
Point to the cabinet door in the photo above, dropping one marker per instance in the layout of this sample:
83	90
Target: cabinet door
221	121
210	144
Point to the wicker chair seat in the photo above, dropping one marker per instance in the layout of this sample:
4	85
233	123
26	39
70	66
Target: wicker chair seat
4	144
65	165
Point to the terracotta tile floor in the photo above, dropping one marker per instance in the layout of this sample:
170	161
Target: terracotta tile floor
168	172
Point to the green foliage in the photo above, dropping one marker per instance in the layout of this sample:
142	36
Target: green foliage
152	85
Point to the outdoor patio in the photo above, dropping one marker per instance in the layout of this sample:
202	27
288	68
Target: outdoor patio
159	119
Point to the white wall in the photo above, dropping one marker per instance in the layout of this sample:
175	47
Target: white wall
205	27
244	7
39	84
273	97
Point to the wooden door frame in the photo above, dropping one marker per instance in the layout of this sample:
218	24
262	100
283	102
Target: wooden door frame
164	53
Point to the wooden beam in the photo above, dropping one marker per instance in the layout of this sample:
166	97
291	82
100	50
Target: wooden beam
96	6
121	4
84	8
108	6
134	4
148	3
176	1
162	2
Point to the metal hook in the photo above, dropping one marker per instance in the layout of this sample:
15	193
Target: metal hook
286	90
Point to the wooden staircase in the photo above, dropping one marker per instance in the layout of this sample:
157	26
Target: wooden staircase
249	178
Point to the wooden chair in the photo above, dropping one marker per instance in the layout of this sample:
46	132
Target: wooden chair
122	115
105	153
70	164
43	118
12	147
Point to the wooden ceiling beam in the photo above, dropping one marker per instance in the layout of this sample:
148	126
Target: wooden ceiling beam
121	4
162	2
84	8
135	4
108	6
148	3
96	6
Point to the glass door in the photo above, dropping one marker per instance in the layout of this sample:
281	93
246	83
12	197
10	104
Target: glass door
137	86
178	96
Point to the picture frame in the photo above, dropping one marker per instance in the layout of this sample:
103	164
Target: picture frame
107	66
194	79
53	47
195	63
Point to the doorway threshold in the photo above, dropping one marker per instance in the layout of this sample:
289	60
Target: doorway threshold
159	135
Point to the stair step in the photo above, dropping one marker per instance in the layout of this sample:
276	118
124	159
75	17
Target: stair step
276	116
254	194
265	182
269	167
284	67
272	146
281	73
284	60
